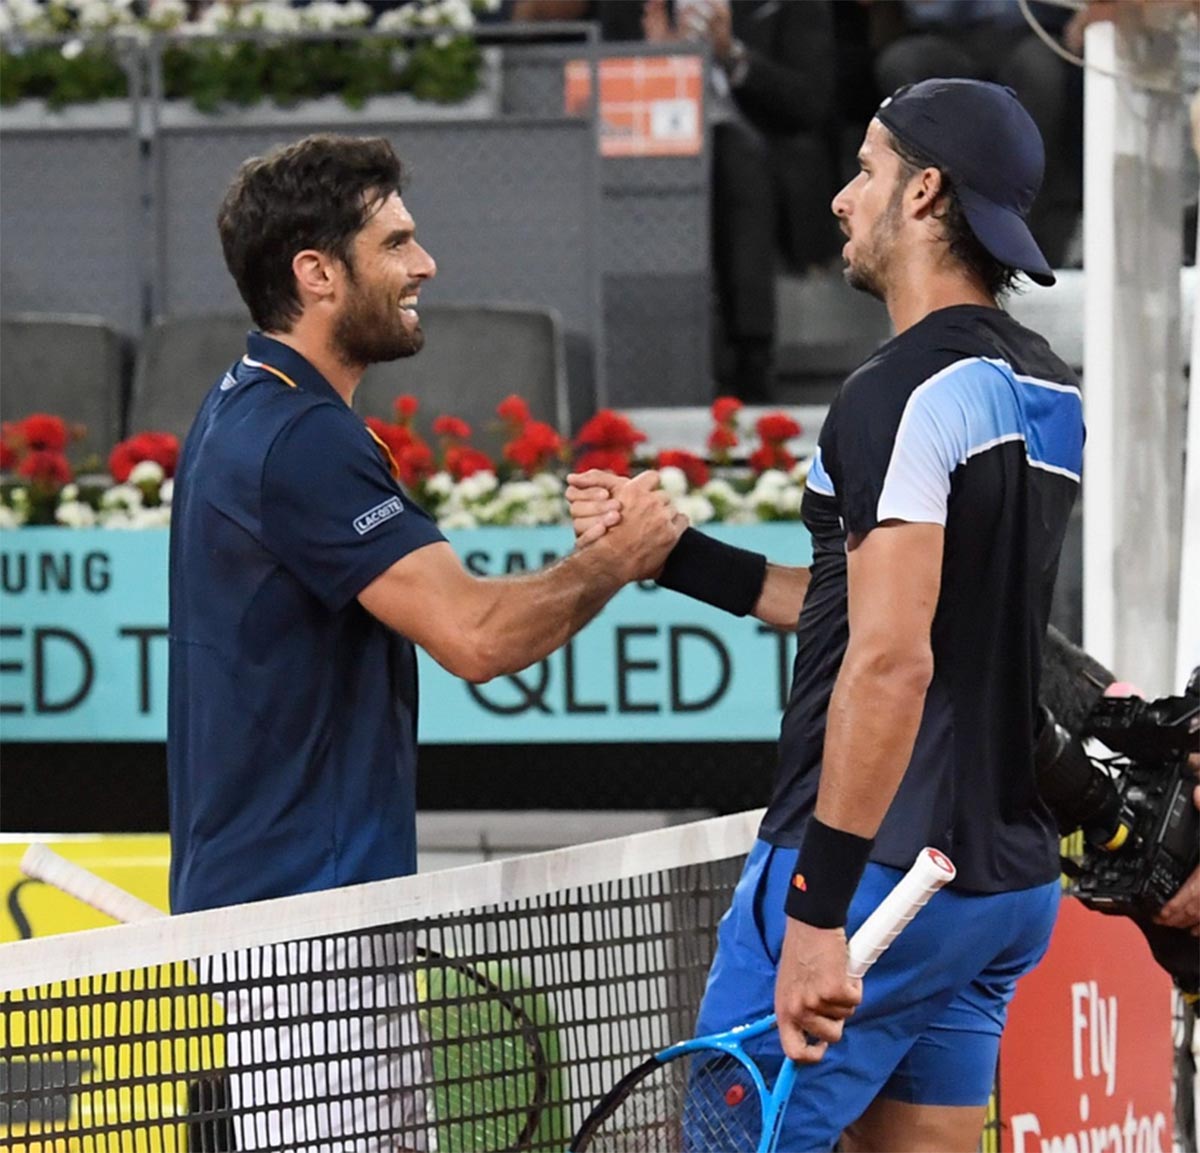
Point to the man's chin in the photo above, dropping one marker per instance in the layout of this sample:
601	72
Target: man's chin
858	279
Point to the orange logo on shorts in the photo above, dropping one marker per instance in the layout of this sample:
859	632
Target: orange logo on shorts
800	883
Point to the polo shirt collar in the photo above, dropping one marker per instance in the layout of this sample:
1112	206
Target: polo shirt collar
287	362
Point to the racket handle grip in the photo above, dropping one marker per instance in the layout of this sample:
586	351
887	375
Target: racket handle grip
41	863
931	870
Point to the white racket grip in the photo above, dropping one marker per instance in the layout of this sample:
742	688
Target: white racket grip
931	870
42	863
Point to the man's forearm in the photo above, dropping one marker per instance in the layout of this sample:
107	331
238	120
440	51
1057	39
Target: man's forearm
519	620
872	725
782	596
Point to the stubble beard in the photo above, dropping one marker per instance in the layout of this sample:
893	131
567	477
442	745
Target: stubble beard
869	272
369	331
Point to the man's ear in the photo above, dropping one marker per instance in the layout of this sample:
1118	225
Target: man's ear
316	274
926	190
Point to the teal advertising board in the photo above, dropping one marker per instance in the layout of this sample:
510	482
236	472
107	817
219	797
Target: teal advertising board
83	651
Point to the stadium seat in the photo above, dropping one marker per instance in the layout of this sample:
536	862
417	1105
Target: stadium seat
475	356
178	361
66	364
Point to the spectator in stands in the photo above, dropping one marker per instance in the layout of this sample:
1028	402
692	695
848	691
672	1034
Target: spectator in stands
992	40
773	157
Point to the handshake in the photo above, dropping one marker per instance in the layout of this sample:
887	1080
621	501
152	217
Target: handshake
632	518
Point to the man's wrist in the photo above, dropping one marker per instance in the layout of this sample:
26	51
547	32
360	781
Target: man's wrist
716	573
829	867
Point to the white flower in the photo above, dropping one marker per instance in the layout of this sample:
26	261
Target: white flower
477	486
721	490
788	500
7	24
72	49
146	472
10	518
698	509
550	483
69	492
75	514
28	15
440	484
799	471
460	519
673	481
397	20
517	492
166	491
167	13
326	15
121	496
150	517
19	498
771	480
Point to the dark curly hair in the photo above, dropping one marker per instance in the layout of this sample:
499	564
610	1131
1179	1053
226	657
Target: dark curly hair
998	278
317	193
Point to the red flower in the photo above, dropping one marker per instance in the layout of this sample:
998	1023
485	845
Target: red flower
396	436
453	427
414	462
693	467
160	447
608	429
513	410
771	456
725	409
406	408
721	438
776	427
462	461
46	468
612	460
537	445
9	454
43	432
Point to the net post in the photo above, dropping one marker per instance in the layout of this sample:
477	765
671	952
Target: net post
1133	354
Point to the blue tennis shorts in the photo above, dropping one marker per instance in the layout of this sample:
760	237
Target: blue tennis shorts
934	1005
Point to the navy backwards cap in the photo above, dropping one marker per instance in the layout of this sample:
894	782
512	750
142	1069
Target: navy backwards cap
989	146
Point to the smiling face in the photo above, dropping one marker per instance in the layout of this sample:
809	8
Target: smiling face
378	318
869	212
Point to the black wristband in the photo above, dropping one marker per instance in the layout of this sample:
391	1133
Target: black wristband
828	868
716	573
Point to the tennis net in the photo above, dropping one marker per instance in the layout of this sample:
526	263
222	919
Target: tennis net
481	1008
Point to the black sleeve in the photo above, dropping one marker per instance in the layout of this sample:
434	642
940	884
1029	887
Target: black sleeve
789	84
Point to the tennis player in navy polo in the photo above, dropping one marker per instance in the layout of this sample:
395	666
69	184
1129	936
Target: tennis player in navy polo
937	503
302	575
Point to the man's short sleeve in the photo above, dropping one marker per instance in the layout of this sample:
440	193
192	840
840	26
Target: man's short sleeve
331	511
895	463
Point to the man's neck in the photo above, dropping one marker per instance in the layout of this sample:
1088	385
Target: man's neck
920	290
316	347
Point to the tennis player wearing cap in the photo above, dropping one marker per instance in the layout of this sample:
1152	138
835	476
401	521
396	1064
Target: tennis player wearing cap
937	504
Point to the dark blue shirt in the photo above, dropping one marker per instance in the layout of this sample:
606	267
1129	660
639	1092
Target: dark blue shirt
292	712
970	421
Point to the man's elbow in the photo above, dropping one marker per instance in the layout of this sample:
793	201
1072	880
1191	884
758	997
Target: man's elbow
891	667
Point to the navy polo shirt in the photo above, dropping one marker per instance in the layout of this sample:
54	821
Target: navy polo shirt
970	421
292	712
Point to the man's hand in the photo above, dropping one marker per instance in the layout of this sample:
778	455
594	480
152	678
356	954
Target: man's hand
592	497
814	994
648	529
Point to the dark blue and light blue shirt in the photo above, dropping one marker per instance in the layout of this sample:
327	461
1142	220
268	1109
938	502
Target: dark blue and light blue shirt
970	421
291	736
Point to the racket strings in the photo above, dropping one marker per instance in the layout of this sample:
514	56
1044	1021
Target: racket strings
701	1103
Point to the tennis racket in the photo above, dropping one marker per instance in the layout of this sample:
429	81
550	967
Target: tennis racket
707	1094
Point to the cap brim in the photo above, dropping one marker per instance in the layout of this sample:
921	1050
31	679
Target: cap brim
1005	235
